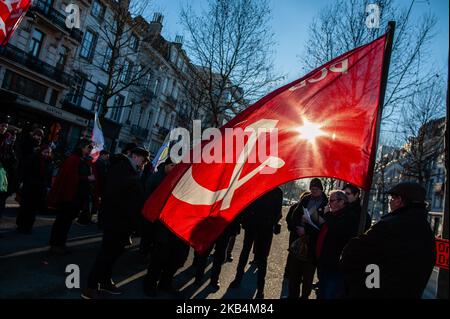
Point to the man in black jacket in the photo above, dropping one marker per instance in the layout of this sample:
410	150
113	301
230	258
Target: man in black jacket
354	203
151	182
302	271
259	220
401	245
122	204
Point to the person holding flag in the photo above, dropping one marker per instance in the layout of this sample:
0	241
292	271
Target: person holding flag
326	125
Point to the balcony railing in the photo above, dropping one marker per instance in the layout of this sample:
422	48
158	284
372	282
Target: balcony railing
56	17
27	60
139	131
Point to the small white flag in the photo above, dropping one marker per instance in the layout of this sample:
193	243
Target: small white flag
97	139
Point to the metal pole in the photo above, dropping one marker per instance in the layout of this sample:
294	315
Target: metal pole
384	78
442	289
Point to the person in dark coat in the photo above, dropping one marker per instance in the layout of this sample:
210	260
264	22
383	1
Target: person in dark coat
151	182
122	205
89	191
301	271
29	145
168	252
259	221
401	244
36	181
354	203
341	224
102	166
67	195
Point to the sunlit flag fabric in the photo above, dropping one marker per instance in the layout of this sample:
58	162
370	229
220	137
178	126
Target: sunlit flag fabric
11	13
98	140
326	125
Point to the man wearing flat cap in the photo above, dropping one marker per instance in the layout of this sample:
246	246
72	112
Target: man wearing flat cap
401	245
122	203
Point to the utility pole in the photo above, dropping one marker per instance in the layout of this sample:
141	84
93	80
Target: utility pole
442	290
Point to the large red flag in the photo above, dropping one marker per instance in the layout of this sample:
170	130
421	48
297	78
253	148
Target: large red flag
11	13
325	122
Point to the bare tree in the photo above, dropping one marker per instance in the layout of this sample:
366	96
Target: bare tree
328	184
118	39
424	132
231	43
341	27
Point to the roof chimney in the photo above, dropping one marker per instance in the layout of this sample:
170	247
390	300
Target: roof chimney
156	24
179	40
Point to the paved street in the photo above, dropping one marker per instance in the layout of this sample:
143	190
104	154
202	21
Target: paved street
26	270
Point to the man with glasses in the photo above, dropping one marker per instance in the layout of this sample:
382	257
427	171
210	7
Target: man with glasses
401	246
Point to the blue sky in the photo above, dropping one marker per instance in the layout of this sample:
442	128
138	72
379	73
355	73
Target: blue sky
291	19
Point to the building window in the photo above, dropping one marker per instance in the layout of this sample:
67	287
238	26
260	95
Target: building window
126	71
37	38
156	87
77	93
98	10
62	59
53	98
149	120
99	98
17	83
134	42
118	106
107	59
174	55
88	45
130	112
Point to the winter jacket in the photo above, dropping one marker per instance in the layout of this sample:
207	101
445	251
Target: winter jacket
340	226
123	198
355	207
402	245
294	219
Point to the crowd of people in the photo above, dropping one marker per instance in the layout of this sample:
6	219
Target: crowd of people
324	229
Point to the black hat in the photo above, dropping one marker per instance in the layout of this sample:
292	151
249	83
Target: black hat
315	182
140	151
409	192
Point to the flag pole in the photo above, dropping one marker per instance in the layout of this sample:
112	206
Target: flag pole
384	78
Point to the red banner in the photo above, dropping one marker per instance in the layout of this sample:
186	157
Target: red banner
325	124
442	253
11	13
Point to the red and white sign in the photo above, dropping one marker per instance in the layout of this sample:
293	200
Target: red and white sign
325	122
11	13
442	253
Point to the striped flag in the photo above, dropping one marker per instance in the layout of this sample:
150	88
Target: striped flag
163	153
